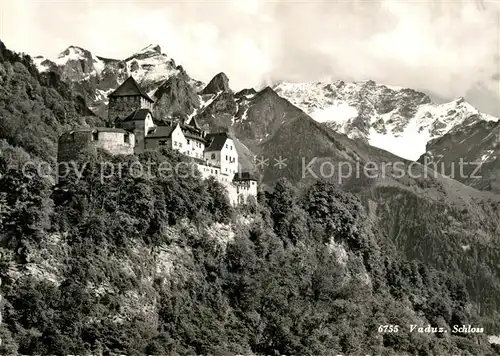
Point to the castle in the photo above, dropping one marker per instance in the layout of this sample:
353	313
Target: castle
134	131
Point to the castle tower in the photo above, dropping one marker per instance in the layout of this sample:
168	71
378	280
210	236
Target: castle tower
126	99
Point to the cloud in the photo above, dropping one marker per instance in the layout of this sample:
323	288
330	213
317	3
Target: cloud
447	48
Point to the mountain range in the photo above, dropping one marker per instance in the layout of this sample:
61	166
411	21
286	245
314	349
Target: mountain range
402	121
323	130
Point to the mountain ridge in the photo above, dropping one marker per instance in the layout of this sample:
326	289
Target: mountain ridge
397	119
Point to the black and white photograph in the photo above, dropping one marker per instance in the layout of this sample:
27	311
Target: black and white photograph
250	177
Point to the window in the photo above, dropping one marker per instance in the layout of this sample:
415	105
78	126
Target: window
226	158
162	142
188	141
95	136
126	138
213	155
180	144
175	143
211	171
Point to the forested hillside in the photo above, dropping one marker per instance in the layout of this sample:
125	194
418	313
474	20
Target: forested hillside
156	265
36	108
147	264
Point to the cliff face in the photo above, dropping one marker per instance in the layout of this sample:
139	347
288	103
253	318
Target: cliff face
469	153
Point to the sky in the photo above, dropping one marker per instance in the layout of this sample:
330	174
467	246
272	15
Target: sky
447	48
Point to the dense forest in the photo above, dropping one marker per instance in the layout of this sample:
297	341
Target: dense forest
148	264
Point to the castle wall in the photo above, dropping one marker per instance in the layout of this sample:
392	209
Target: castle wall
155	143
195	148
213	157
244	189
72	143
232	193
122	106
229	158
139	128
179	142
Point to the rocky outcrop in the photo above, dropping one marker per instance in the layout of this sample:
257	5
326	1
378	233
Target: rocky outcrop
219	83
95	77
469	153
175	97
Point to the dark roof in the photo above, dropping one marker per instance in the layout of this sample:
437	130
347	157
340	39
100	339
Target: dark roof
139	114
98	129
194	123
110	129
216	141
243	176
161	131
130	88
194	136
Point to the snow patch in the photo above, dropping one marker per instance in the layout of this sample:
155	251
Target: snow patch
98	64
340	112
71	53
154	68
38	61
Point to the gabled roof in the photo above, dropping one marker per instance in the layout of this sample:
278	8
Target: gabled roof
162	131
130	88
245	176
139	114
190	135
216	141
194	123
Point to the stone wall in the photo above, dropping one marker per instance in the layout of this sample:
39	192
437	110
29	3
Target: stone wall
244	189
114	141
122	106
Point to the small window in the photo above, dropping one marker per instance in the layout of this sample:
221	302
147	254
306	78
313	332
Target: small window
126	138
175	143
211	171
213	155
95	136
227	146
188	141
162	142
180	144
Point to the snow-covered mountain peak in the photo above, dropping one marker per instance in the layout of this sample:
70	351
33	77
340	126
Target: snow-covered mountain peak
399	120
72	53
151	49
